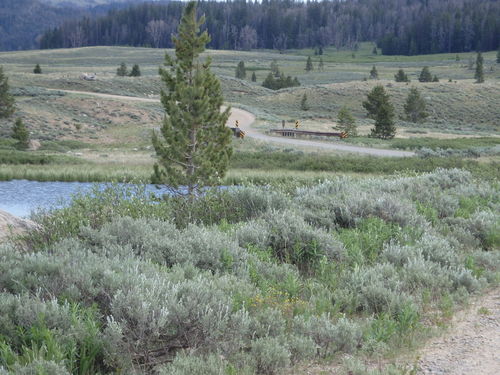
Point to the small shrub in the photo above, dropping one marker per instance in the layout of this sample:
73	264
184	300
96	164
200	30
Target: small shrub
270	355
193	365
291	239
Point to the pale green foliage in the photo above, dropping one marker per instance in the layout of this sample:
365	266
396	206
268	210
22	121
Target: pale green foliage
329	337
291	239
162	242
270	355
301	348
267	322
334	267
193	365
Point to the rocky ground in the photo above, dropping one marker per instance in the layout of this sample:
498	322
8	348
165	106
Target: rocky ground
12	225
471	346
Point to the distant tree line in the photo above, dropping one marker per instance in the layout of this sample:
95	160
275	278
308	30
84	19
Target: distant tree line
398	26
22	22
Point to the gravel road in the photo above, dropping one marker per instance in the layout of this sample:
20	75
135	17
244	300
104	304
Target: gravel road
472	345
246	119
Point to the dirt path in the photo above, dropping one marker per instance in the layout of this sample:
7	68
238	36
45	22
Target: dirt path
472	346
246	119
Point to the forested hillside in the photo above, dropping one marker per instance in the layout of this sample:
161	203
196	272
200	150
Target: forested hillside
22	22
90	3
399	26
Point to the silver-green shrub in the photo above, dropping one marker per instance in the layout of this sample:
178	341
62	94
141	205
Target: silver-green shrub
204	247
329	337
270	355
186	364
291	239
267	322
301	348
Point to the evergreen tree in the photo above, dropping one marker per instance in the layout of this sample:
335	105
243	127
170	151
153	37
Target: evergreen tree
38	69
270	82
373	73
320	50
241	72
381	110
254	77
303	103
122	70
136	72
425	75
321	65
280	83
7	107
415	107
275	68
401	76
435	78
20	132
374	51
346	122
479	75
309	64
194	146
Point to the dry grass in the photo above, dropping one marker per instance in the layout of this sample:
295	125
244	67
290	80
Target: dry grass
457	108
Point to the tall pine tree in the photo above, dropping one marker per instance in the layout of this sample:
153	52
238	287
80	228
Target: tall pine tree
136	71
381	110
401	76
241	72
304	105
6	99
346	122
309	64
415	106
479	74
373	73
425	75
20	132
194	144
122	70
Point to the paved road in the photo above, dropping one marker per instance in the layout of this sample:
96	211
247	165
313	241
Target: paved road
246	119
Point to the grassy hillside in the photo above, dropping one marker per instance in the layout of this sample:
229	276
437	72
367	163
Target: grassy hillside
119	132
458	106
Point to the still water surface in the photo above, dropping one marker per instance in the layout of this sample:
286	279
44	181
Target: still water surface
21	197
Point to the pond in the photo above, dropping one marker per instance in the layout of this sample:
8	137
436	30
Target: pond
21	197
